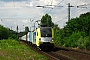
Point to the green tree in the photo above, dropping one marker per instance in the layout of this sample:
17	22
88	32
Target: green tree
79	24
76	33
26	29
47	21
6	33
77	30
59	35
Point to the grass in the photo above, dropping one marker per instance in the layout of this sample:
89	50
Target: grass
13	50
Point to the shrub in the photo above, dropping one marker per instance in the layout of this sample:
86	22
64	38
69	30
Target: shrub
80	42
84	43
71	41
59	35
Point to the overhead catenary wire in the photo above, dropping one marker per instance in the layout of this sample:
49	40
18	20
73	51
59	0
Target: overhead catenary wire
56	6
73	14
65	17
85	7
37	13
49	5
51	1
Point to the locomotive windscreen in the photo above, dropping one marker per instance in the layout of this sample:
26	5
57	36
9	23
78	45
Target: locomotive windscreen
46	32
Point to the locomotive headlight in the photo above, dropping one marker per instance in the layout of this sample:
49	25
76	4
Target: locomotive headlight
52	39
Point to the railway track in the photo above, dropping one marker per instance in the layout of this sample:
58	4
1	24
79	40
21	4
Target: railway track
52	55
57	56
61	53
74	54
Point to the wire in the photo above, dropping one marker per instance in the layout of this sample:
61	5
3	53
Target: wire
37	13
56	5
67	16
51	4
73	14
51	1
79	11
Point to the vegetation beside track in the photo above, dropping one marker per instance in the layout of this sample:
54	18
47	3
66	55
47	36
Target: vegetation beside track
13	50
75	34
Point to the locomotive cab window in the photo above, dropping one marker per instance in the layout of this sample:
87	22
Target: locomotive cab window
46	32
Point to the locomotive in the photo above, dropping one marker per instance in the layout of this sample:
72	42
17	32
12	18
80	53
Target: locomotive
42	37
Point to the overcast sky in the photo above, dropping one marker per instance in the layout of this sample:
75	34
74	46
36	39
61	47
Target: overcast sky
22	12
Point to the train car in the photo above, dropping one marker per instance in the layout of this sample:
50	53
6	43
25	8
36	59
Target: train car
23	38
28	37
45	38
42	37
31	37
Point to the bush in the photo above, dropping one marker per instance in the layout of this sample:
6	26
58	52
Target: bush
71	41
80	42
59	35
6	33
84	43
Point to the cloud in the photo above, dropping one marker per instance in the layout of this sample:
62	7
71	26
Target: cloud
35	3
19	12
14	0
25	21
6	0
31	4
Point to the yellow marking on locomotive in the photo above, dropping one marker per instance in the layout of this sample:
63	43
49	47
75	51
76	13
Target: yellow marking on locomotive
38	36
52	36
52	33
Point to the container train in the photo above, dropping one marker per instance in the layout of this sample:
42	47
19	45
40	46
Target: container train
42	37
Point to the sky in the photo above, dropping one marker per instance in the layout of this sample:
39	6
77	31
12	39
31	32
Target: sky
23	13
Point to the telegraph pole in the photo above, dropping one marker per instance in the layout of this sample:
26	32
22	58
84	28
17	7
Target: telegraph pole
17	32
17	28
11	27
31	24
34	26
69	11
30	28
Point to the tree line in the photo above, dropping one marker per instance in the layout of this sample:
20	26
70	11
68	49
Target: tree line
6	33
76	33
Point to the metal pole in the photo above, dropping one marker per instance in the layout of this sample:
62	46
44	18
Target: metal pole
34	27
11	27
30	28
68	11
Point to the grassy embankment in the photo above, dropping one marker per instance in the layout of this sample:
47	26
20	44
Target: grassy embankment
13	50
